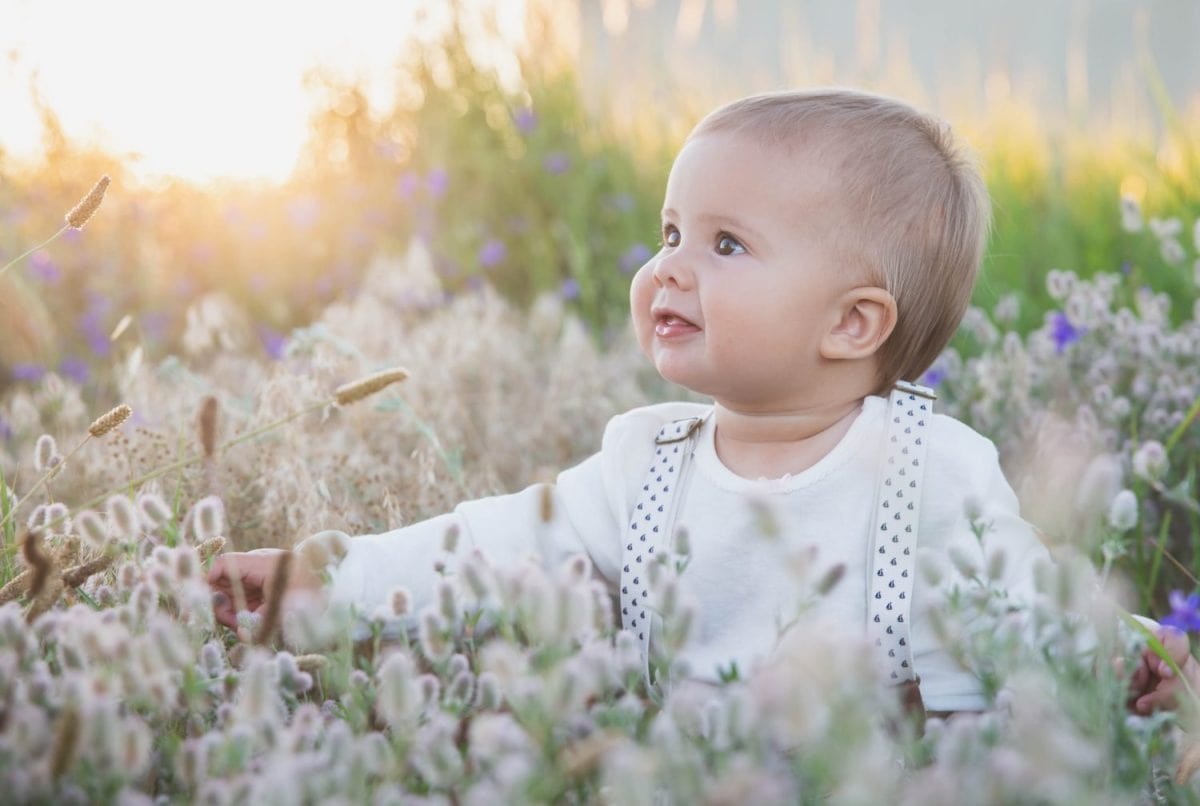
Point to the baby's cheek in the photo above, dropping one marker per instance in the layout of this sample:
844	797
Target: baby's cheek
641	297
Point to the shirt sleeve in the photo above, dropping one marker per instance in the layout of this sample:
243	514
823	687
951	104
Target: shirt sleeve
579	513
1009	549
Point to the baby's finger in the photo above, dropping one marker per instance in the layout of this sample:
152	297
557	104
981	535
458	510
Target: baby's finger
1175	642
1164	696
1141	676
224	611
218	573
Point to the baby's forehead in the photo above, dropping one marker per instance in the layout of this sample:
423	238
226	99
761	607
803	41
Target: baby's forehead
799	172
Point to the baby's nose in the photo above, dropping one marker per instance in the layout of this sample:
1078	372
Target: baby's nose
673	269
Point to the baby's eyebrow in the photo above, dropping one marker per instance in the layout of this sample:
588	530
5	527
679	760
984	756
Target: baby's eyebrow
718	220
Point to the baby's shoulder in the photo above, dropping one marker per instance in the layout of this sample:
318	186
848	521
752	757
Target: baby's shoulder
959	452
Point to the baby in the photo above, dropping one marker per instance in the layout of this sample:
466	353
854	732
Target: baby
818	250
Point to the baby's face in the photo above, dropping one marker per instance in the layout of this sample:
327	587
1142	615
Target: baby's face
735	303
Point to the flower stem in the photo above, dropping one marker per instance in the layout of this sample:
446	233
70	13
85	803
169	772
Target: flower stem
24	255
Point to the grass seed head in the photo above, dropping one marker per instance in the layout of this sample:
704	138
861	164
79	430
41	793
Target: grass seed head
273	611
109	421
207	422
91	528
65	741
153	509
88	205
16	586
365	387
210	548
450	539
44	452
122	517
74	577
208	519
38	563
401	601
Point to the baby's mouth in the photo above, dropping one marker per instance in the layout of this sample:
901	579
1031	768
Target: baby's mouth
669	324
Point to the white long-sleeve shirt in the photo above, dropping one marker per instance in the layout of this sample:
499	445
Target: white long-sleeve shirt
743	581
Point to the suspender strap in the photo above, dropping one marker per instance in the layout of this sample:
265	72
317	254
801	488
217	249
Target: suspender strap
893	553
650	526
897	513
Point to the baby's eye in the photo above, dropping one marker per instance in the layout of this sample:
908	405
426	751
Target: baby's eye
729	245
670	235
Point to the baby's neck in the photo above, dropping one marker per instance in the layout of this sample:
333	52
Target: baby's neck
771	444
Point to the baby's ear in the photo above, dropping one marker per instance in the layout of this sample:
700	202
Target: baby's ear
866	317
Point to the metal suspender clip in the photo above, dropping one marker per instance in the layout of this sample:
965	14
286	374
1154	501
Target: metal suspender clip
678	430
916	389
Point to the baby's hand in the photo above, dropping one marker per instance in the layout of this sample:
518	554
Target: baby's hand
252	576
1154	684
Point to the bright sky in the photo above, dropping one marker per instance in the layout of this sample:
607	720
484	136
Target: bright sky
200	90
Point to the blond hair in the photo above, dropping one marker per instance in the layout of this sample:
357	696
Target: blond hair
910	211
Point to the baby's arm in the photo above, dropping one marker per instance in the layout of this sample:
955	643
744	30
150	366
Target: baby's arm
577	514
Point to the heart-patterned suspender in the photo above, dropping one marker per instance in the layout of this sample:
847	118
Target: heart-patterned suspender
897	513
649	526
893	553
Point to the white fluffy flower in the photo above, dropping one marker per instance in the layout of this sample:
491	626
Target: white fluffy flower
1123	512
1150	460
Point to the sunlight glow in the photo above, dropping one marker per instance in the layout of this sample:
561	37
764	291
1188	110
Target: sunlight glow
198	91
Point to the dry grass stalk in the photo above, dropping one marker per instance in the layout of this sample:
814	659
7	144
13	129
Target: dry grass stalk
365	387
273	610
65	741
109	421
207	421
1189	761
87	206
74	577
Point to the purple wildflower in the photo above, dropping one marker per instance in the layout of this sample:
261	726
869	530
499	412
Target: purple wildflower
75	368
304	212
1062	331
556	163
1185	612
72	236
27	372
492	253
933	376
525	120
91	324
203	252
43	267
634	257
273	342
569	289
6	432
622	202
406	185
437	182
154	325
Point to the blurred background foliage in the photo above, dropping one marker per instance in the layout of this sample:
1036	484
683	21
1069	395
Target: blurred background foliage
523	185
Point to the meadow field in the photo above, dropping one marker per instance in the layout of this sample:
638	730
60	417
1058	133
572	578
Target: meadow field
169	376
